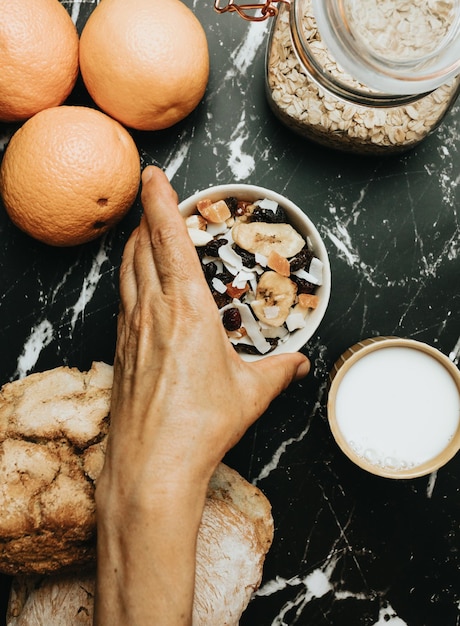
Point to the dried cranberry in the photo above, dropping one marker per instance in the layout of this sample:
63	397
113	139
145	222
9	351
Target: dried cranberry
231	319
212	248
301	260
267	215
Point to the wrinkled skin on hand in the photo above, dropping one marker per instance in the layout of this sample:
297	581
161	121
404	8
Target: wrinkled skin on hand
182	397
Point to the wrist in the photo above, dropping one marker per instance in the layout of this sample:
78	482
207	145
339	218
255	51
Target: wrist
157	493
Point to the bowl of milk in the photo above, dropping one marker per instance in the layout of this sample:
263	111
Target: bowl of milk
394	407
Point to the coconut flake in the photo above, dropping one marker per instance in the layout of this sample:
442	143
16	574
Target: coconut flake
219	285
252	327
230	258
229	237
274	332
311	278
216	228
316	270
258	269
253	283
242	278
261	259
199	237
270	205
294	321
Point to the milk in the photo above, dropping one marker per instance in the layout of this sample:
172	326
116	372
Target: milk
397	407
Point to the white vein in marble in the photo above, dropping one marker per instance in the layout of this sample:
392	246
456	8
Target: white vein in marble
40	336
43	333
177	157
89	285
242	164
285	445
317	584
243	56
239	159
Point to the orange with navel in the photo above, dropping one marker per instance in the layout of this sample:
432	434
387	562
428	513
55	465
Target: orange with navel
144	62
38	57
69	174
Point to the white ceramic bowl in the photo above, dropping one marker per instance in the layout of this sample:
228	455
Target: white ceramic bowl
298	219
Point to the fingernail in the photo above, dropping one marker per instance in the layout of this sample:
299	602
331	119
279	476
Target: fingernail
303	369
147	174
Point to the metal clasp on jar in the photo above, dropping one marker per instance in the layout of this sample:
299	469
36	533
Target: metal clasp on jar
266	9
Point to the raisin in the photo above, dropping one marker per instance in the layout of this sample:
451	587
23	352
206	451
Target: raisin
248	349
221	299
200	251
301	260
225	276
231	319
267	215
212	248
303	286
209	271
248	258
232	204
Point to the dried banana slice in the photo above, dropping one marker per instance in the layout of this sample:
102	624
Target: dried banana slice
274	298
263	238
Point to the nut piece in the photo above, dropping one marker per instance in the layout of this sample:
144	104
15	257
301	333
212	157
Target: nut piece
274	298
263	238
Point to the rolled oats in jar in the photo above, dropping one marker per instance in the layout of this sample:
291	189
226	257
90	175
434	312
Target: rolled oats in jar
407	50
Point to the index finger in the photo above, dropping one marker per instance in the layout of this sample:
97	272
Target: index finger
173	251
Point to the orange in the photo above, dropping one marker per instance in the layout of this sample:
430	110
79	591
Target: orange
38	57
144	62
69	174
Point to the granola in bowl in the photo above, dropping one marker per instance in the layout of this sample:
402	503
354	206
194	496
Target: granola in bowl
265	265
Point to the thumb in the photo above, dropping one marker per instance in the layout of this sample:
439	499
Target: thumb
277	372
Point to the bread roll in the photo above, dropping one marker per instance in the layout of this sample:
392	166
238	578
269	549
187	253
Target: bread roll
53	429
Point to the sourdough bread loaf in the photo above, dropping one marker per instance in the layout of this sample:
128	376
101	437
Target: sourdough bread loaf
53	430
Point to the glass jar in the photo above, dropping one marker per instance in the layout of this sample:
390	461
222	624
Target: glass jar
368	76
317	97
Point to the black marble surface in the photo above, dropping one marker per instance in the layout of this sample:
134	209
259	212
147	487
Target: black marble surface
350	549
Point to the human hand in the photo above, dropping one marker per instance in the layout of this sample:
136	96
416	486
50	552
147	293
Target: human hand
181	394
